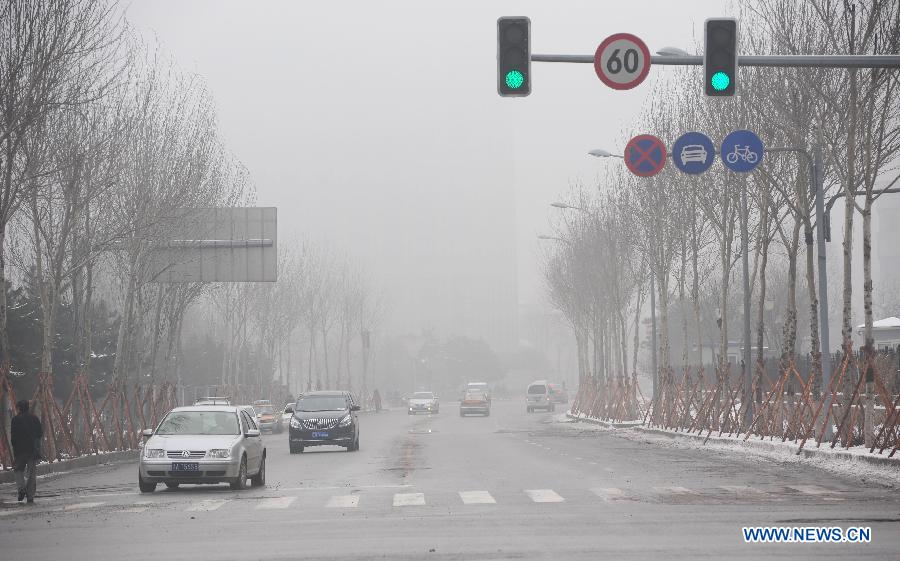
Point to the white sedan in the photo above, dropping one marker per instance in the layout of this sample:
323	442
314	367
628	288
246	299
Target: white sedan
203	444
423	402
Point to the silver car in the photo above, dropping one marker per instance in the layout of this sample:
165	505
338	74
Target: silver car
203	444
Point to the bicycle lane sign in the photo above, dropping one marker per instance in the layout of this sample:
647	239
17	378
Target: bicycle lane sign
742	151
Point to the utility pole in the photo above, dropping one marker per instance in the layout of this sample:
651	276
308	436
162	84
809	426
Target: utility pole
747	371
653	337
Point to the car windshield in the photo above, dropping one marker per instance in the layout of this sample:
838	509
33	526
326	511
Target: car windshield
423	395
537	389
475	396
264	410
200	422
322	403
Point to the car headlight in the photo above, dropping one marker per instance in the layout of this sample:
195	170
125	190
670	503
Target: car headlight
295	423
345	422
219	453
154	453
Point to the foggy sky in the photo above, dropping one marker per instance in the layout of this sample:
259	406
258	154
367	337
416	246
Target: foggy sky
376	127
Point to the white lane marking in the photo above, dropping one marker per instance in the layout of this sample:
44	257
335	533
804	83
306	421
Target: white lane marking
742	489
477	498
339	487
343	501
609	493
674	490
811	489
138	507
544	496
206	506
274	503
409	499
81	506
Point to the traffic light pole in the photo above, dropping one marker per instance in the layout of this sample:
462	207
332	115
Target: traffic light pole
785	61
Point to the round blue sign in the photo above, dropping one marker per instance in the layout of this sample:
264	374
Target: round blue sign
742	151
693	152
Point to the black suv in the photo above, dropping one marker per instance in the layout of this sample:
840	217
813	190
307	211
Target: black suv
324	419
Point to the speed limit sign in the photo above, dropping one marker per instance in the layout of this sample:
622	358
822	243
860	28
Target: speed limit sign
622	61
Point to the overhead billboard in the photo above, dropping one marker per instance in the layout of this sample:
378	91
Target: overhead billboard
217	245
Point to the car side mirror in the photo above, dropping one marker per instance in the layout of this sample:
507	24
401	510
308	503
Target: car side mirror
251	433
147	432
355	408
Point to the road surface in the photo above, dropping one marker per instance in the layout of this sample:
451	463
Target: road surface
509	486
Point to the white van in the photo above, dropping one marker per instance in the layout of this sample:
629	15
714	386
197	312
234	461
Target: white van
538	397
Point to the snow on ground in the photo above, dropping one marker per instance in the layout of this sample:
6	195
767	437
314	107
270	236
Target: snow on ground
777	451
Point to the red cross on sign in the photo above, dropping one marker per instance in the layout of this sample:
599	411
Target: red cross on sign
645	155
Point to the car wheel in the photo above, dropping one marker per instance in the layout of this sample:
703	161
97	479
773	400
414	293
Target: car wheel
487	413
528	410
145	486
259	480
172	485
461	414
240	482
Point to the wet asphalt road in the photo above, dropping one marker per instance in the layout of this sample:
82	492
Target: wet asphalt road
440	487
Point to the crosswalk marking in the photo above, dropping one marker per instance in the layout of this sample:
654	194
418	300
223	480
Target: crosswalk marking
810	489
206	506
275	503
544	496
81	506
343	501
609	493
476	498
409	499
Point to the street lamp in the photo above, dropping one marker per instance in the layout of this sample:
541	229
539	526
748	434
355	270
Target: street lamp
601	153
554	238
672	51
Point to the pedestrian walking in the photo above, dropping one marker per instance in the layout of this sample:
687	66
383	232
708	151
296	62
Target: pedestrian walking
376	399
26	432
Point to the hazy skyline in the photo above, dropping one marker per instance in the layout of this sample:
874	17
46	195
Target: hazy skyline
377	128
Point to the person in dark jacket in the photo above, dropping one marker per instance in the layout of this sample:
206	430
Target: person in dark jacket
26	432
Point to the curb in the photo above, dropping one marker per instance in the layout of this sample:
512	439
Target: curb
773	447
607	424
8	476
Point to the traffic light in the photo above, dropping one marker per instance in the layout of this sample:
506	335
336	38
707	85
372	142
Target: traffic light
720	57
514	56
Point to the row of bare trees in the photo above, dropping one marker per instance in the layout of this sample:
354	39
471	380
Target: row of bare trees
105	144
682	230
313	329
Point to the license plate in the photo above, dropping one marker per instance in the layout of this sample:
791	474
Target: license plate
193	466
319	434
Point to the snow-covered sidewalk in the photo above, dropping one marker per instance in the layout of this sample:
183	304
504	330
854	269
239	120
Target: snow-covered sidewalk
855	462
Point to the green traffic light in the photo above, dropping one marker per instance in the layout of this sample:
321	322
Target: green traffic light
720	81
514	79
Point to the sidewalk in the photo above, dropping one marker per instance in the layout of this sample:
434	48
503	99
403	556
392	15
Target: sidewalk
856	462
46	468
